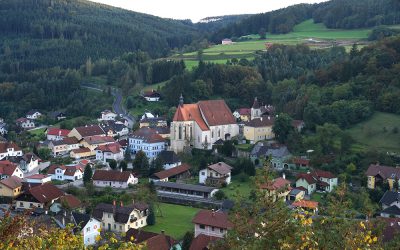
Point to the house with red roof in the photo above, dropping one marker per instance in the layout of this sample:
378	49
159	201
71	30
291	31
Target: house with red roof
216	174
9	149
25	123
151	96
40	196
8	169
107	152
87	130
56	134
378	175
178	172
114	178
307	205
147	140
278	188
318	180
203	242
11	187
211	223
65	173
201	124
153	241
242	114
38	179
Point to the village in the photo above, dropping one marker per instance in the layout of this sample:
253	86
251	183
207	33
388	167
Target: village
110	176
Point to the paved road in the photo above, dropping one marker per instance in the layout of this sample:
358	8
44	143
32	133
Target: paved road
117	106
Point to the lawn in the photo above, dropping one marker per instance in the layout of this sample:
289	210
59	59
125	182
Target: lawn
176	220
237	187
317	197
37	132
245	147
378	133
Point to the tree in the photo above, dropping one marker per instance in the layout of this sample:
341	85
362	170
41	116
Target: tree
151	218
127	155
262	33
187	240
123	165
141	163
34	150
227	148
282	127
87	174
44	153
220	195
112	163
156	165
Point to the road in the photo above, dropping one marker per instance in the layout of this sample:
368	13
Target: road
117	105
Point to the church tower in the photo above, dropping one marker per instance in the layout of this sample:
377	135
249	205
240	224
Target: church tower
255	109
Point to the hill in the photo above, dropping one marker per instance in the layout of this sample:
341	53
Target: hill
47	33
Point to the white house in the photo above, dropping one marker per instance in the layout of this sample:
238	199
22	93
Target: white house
113	128
201	124
38	178
29	162
226	41
211	223
8	169
318	180
111	151
9	149
88	226
3	128
65	173
113	178
169	159
33	114
152	96
148	141
25	123
107	115
56	134
216	174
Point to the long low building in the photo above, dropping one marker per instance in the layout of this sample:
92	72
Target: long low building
189	190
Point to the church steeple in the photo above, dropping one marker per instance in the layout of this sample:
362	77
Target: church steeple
255	103
181	101
255	109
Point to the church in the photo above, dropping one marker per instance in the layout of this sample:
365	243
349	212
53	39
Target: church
200	125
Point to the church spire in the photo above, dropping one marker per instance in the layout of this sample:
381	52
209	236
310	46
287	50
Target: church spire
255	103
181	101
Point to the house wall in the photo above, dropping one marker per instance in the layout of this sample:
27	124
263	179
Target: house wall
104	156
152	99
54	137
116	184
27	204
108	117
205	173
44	180
75	133
91	231
303	183
108	222
168	166
255	134
152	150
209	230
31	165
9	192
371	182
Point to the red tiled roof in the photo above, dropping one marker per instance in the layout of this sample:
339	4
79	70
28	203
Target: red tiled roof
123	143
45	192
58	131
12	182
148	135
7	167
276	184
308	177
52	168
172	171
221	168
261	122
202	242
323	174
81	150
5	145
160	242
114	148
216	112
22	119
301	161
36	176
244	111
70	140
90	130
69	170
71	201
211	218
190	112
384	171
111	175
305	204
98	139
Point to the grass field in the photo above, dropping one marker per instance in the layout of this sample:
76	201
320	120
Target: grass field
378	133
176	220
237	187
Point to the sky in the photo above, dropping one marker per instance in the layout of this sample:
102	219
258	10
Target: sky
198	9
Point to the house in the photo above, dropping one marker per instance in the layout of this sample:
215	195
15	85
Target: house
27	162
298	125
107	115
390	202
25	123
391	229
211	223
259	129
203	242
40	196
148	120
56	134
216	174
391	212
67	201
9	149
71	143
92	142
58	148
11	187
153	241
311	206
148	141
301	162
169	159
85	131
317	180
297	194
113	128
201	124
8	169
121	218
113	178
258	111
38	179
3	128
184	191
57	115
65	173
226	41
81	153
278	188
179	172
33	114
152	96
88	227
242	114
108	152
164	132
278	154
378	175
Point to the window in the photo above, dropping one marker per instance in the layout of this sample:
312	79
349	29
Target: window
115	226
120	227
202	226
203	173
88	229
212	228
221	230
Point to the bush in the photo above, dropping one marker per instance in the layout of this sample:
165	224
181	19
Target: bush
243	177
219	195
395	130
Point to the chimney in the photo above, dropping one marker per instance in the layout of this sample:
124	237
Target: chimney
162	232
284	175
121	204
114	207
213	212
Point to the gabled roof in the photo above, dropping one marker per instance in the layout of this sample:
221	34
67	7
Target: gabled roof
276	184
221	168
198	188
37	176
71	201
90	130
70	140
58	132
308	177
172	172
114	148
7	168
305	204
389	197
30	156
152	93
216	112
323	174
69	170
392	210
148	135
98	139
12	182
384	171
121	214
169	157
32	112
23	119
5	145
190	112
81	150
111	175
244	111
45	192
80	219
138	235
160	242
203	242
301	161
261	122
212	218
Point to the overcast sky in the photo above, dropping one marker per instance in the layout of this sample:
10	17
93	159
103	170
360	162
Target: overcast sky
198	9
